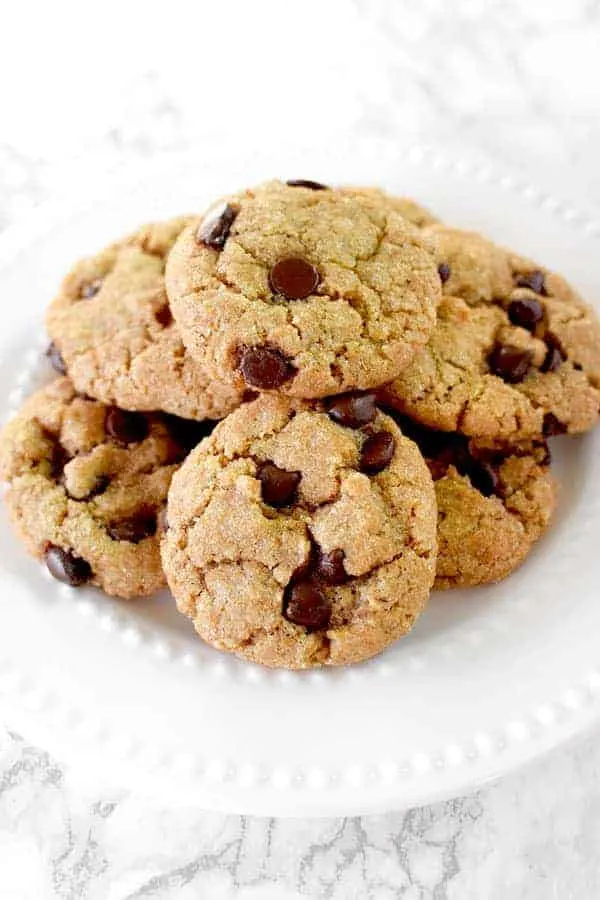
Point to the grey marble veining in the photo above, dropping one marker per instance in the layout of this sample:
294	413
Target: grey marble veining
516	82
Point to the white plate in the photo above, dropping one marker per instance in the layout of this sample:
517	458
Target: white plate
488	679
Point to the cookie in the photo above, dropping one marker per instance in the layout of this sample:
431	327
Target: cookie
113	332
515	353
409	209
493	504
303	291
87	486
300	535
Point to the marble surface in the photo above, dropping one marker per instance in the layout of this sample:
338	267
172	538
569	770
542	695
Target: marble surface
514	82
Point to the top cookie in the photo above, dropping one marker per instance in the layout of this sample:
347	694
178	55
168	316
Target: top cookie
515	353
303	291
113	332
410	210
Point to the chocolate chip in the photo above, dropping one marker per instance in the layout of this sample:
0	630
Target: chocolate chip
65	566
330	567
526	312
510	363
377	452
90	289
55	359
543	454
60	457
483	476
553	426
134	529
265	368
532	280
353	409
278	487
305	604
554	356
214	229
186	433
444	272
294	277
163	316
125	427
311	185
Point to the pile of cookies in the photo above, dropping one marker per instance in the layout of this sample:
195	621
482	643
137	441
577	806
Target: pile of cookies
302	411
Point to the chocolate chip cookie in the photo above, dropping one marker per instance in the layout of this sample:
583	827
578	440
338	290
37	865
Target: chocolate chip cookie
493	504
87	486
113	332
409	209
301	290
302	535
515	353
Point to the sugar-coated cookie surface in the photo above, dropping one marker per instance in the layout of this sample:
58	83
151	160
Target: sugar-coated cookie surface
302	536
515	353
493	503
113	332
87	486
303	291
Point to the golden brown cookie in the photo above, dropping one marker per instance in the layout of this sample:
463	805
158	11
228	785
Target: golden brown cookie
113	332
493	504
302	537
303	291
409	209
515	353
87	484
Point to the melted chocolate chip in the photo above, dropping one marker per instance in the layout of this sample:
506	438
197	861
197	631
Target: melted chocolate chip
163	316
532	280
553	426
134	529
278	487
60	457
65	566
510	363
526	312
265	368
90	289
55	359
125	427
186	433
294	277
377	452
483	476
353	409
554	356
330	567
305	183
214	229
444	272
305	604
544	455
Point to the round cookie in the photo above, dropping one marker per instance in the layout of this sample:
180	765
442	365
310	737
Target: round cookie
409	209
87	485
301	537
515	353
113	332
303	291
493	504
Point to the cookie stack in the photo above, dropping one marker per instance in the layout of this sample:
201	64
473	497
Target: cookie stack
385	386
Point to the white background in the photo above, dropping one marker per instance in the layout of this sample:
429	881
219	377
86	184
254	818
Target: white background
86	87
